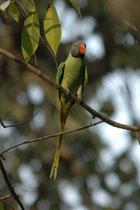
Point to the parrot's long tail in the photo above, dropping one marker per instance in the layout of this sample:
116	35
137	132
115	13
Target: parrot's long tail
63	117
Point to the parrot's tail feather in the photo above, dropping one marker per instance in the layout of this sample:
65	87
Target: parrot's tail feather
63	117
56	159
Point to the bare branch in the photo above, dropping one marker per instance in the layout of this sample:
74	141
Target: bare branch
63	90
17	124
9	185
137	134
49	136
1	156
5	197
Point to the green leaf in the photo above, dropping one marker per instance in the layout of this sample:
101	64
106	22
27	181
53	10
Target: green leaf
30	35
1	206
76	6
14	12
52	28
31	5
5	5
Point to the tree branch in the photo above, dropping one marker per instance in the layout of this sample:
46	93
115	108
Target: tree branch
137	134
63	90
17	124
49	136
5	197
9	185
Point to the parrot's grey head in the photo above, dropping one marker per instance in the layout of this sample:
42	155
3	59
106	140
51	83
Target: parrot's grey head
78	50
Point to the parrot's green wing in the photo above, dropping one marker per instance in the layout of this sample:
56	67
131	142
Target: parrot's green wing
60	72
85	76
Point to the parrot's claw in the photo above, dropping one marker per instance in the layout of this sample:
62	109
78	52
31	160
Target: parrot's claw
68	92
79	99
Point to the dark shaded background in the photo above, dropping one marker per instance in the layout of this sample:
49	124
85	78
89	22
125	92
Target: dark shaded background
90	176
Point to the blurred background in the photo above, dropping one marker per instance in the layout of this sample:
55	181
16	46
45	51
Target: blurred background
99	167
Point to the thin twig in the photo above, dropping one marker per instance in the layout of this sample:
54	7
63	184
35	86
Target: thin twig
22	8
1	156
49	136
137	134
5	197
63	90
9	185
17	124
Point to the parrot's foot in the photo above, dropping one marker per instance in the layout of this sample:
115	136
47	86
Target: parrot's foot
53	173
68	92
79	99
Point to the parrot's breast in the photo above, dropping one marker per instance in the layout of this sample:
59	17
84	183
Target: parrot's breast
72	77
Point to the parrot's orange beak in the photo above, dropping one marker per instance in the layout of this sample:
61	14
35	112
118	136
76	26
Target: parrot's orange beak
82	48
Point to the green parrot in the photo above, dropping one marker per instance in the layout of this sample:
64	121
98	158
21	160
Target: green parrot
72	75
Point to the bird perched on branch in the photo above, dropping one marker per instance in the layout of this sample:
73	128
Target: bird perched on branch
72	75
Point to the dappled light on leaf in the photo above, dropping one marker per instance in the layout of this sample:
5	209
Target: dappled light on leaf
14	12
76	6
31	5
30	36
52	28
5	5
